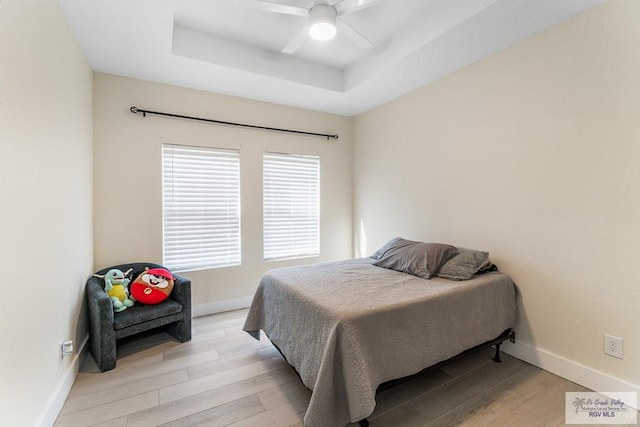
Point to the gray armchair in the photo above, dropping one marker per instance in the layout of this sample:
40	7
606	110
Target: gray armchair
106	327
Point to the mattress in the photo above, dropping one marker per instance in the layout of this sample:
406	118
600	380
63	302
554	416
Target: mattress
348	326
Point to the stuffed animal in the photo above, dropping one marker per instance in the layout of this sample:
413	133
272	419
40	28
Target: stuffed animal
152	286
115	285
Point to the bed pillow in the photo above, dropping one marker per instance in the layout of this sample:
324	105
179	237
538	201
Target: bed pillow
417	258
395	242
487	267
464	264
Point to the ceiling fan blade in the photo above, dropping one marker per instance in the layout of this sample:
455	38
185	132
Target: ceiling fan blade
271	6
347	6
355	36
297	41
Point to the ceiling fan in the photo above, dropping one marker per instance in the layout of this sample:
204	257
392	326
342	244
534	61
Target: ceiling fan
323	19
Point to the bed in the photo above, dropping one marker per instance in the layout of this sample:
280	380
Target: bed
348	326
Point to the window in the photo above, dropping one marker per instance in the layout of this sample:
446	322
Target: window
201	207
291	205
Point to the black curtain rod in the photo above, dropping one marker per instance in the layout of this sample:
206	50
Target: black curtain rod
136	110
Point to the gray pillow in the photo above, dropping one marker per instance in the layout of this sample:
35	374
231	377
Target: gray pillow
417	258
464	264
390	244
487	267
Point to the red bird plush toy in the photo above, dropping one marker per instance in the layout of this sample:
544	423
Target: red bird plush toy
152	286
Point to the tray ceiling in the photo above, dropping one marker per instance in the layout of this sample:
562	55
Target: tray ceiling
221	46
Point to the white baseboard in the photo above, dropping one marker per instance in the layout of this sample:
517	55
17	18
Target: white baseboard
220	306
56	402
570	370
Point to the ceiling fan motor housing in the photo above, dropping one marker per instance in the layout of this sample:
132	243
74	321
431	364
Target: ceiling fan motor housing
322	22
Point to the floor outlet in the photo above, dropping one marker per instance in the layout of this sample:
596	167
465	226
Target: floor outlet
613	346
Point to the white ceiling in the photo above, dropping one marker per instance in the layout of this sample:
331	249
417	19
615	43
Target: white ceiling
218	46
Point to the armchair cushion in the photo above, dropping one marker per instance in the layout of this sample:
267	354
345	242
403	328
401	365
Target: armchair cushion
143	313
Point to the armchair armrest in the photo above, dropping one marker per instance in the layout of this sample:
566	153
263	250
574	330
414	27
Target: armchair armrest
98	301
182	293
102	334
181	290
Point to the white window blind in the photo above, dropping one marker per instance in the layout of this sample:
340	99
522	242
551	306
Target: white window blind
201	207
291	205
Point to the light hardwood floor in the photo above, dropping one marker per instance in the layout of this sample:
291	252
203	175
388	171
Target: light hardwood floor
223	377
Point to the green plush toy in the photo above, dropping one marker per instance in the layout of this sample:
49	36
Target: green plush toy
116	286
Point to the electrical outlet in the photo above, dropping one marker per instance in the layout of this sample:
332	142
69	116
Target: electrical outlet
66	348
613	346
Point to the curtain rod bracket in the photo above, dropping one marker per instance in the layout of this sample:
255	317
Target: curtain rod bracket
136	110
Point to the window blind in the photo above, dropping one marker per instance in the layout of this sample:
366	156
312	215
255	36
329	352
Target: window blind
201	207
291	205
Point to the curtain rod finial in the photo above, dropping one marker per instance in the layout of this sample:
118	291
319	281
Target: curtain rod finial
134	110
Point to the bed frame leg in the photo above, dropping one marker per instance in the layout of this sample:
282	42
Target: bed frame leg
497	356
364	423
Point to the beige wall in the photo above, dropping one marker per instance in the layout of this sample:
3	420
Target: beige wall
534	155
127	174
45	188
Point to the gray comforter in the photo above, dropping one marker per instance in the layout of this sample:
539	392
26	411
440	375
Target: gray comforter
349	326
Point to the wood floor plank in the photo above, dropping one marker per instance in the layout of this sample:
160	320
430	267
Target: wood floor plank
440	400
532	385
563	424
143	356
548	408
281	416
230	319
224	345
283	393
223	364
79	401
89	382
118	422
199	385
462	388
472	361
174	409
405	391
230	331
222	415
242	345
485	408
189	360
219	333
109	411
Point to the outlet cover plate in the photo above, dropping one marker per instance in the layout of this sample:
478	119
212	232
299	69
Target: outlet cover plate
613	346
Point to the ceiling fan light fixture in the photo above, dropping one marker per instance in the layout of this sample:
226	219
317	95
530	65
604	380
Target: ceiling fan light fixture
322	31
322	22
